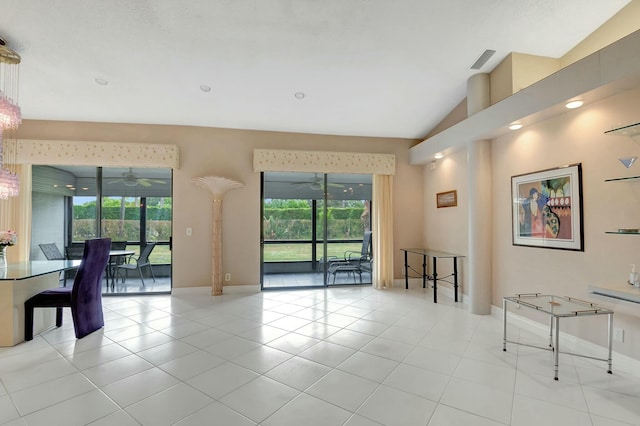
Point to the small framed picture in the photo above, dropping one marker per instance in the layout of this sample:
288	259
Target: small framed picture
447	199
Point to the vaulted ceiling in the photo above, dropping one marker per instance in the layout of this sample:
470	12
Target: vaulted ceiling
346	67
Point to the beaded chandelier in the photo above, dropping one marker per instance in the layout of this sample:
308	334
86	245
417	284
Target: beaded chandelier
10	119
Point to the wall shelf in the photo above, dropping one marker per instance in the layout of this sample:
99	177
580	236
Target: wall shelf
631	130
624	179
622	291
622	232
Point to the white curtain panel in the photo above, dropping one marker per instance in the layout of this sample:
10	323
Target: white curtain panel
382	224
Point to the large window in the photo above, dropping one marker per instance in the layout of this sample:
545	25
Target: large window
132	206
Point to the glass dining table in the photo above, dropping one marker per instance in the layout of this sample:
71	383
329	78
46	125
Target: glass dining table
18	282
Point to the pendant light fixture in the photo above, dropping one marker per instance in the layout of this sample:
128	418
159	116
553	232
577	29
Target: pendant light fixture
10	119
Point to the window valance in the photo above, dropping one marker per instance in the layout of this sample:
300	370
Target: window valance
273	160
111	154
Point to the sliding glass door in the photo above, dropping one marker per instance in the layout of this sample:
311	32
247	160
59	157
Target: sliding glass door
132	206
313	229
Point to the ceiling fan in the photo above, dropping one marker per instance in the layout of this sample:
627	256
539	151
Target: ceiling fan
131	179
317	184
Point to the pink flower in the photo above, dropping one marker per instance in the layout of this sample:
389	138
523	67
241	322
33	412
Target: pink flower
8	238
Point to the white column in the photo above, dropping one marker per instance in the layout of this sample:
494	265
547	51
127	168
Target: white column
478	93
480	213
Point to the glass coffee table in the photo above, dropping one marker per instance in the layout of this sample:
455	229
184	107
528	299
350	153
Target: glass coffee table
557	307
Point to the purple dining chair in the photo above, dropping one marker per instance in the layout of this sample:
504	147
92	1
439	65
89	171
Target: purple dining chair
84	298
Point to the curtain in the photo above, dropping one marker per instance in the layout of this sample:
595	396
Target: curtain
382	227
15	215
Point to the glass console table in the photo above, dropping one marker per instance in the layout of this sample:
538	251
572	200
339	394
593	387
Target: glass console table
435	255
557	307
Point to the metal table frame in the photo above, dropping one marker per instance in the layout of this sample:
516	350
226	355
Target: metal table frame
434	255
557	307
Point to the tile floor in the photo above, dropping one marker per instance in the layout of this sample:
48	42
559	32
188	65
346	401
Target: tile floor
342	356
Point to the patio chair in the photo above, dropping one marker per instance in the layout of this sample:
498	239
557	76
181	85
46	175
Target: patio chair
74	251
84	298
365	250
51	252
115	261
354	262
139	263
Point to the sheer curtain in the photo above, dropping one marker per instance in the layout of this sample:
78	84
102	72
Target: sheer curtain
15	215
382	226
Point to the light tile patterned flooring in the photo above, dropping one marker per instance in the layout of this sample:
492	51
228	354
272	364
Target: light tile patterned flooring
342	356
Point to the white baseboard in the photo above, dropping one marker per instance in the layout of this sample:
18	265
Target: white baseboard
231	289
181	291
575	344
237	289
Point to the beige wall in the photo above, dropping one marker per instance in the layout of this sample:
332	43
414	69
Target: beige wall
529	69
457	114
519	70
224	152
446	228
620	25
573	137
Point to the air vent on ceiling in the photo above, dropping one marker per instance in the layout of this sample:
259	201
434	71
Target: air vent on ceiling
486	55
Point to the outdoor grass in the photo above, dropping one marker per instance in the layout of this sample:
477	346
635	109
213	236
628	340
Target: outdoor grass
272	252
302	252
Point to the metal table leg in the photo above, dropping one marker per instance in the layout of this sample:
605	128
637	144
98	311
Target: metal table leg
406	270
504	325
455	278
435	279
557	348
610	339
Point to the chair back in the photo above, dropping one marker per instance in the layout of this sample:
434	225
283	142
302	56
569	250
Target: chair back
86	295
365	251
118	245
144	256
51	251
74	251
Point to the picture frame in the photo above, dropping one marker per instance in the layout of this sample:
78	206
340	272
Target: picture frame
447	199
547	208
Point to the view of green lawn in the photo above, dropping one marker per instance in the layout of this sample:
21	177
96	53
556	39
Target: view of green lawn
272	252
302	252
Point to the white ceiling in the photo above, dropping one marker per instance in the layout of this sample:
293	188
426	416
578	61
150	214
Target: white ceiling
367	67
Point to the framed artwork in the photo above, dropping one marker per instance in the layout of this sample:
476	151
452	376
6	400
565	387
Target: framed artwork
547	208
447	199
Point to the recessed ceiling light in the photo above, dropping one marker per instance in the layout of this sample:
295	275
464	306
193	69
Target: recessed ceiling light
576	103
299	95
515	126
101	81
438	155
205	88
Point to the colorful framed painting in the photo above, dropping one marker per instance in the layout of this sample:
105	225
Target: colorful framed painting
447	199
547	208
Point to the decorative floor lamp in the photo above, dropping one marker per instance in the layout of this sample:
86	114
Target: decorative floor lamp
218	186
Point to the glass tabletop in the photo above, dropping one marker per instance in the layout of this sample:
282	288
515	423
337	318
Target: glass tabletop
559	306
34	268
430	253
